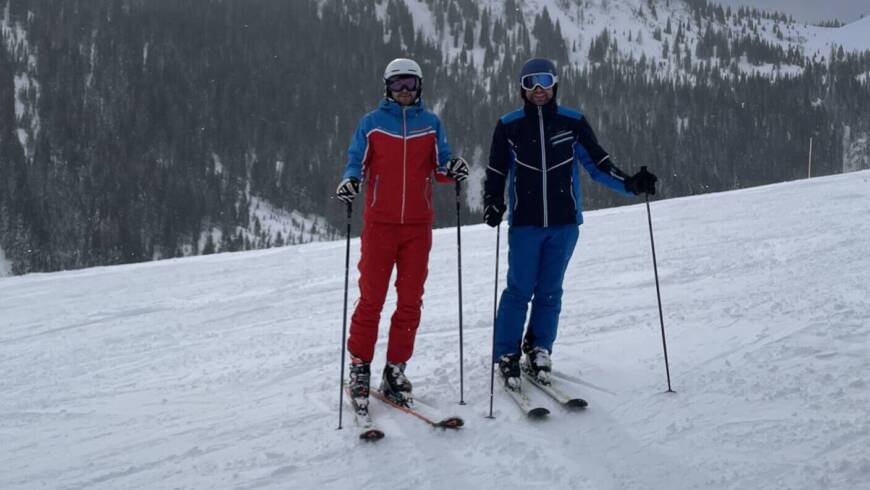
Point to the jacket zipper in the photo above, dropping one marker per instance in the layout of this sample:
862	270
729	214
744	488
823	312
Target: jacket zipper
543	163
404	160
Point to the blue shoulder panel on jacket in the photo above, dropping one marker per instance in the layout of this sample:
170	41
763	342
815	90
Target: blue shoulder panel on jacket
512	116
570	113
385	121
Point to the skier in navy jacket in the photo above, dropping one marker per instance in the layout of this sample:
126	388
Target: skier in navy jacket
398	149
538	151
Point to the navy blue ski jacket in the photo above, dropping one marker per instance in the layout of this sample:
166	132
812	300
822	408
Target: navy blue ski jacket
538	152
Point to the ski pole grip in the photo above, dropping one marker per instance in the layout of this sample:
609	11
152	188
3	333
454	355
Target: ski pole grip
349	210
643	168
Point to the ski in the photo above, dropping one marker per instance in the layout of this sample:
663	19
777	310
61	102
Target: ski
364	422
522	400
368	432
423	412
554	391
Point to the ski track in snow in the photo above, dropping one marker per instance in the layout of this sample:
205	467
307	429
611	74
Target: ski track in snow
222	371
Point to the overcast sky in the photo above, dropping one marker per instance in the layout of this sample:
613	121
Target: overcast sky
811	10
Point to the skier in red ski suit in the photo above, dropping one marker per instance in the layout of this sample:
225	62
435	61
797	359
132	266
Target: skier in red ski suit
398	148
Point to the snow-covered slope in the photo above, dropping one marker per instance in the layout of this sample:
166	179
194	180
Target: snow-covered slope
852	37
222	371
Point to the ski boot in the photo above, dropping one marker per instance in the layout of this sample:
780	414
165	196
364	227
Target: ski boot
537	364
509	368
528	342
395	386
360	374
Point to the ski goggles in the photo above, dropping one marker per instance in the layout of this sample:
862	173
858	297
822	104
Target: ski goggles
543	80
403	82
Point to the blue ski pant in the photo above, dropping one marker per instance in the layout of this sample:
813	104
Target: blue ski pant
537	260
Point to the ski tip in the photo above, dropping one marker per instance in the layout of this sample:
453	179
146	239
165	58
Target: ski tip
371	435
451	423
577	403
538	413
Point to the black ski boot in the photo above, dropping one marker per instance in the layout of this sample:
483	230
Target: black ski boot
528	342
509	368
395	386
360	374
537	364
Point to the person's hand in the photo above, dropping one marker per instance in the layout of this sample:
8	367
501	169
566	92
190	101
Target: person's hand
457	169
347	190
643	182
492	213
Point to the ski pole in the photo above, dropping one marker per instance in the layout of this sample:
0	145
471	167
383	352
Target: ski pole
459	269
494	310
658	290
344	319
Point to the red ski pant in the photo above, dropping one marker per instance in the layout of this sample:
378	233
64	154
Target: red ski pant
383	246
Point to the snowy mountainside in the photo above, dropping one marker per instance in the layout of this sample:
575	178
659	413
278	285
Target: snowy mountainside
852	37
103	175
27	87
261	223
294	227
221	371
266	226
5	265
643	28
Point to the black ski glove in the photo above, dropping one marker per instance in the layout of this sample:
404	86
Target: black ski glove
347	190
493	212
643	182
457	169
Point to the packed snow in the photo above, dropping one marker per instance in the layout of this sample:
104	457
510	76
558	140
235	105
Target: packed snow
222	371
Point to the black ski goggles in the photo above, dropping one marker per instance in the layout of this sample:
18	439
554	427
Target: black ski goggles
543	80
403	82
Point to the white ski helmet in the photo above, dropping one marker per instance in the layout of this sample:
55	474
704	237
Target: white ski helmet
403	66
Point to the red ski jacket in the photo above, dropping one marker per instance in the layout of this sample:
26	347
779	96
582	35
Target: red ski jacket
398	150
